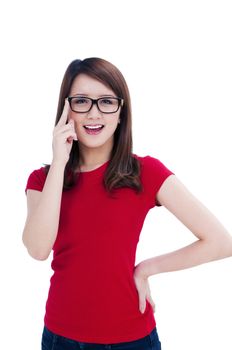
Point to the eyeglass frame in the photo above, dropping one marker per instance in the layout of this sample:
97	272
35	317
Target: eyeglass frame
94	101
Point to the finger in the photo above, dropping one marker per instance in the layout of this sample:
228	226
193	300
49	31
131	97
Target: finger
65	135
142	303
64	115
59	129
71	139
149	298
69	135
71	124
142	306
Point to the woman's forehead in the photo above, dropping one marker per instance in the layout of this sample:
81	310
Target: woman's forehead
86	85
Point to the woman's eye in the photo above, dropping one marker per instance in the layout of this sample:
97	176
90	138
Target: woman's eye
80	101
107	101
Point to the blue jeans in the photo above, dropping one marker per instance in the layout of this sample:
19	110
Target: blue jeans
51	341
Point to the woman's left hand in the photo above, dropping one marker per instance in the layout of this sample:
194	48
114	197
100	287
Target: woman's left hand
143	289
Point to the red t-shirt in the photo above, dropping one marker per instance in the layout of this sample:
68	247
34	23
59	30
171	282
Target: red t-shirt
92	296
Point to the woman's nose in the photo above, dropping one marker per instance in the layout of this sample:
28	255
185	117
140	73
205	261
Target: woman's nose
94	112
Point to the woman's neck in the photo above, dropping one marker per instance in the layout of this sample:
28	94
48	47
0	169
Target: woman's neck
92	159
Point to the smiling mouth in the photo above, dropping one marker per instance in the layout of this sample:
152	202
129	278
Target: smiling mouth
93	129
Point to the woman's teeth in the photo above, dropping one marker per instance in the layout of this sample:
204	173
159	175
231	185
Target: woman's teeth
93	129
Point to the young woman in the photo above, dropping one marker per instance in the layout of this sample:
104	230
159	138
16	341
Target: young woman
89	206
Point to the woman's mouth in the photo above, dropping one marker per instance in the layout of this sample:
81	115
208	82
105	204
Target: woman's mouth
93	129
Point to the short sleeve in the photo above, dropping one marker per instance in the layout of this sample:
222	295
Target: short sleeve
36	180
154	173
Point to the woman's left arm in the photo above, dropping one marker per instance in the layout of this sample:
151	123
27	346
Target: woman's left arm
213	243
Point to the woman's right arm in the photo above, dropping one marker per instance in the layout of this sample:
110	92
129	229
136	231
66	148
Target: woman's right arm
43	212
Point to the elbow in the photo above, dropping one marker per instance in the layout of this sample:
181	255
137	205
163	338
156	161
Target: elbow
228	246
35	252
224	249
40	256
231	246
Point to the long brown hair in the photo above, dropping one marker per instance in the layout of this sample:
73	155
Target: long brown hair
123	169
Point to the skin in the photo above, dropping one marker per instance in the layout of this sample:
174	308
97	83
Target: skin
213	242
95	149
43	211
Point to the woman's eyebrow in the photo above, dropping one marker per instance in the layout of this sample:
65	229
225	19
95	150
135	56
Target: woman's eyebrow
102	95
79	94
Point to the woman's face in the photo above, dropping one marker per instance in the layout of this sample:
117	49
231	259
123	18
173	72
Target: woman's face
94	129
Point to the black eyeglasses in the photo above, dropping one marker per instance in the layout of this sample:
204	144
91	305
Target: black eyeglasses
81	104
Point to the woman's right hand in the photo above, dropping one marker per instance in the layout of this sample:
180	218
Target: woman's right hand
63	136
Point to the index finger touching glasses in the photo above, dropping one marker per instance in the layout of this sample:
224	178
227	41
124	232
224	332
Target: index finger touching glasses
64	116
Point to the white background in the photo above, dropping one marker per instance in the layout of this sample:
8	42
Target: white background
176	57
